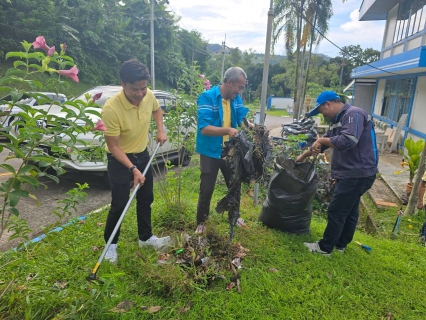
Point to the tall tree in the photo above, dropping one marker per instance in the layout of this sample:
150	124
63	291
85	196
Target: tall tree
302	23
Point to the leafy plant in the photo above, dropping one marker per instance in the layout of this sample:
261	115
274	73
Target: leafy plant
412	157
37	137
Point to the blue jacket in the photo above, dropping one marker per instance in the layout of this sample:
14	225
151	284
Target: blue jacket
210	112
355	154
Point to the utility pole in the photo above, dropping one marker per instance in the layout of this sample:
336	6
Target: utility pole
342	66
152	46
265	80
223	57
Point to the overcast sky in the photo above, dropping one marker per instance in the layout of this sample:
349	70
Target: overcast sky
244	23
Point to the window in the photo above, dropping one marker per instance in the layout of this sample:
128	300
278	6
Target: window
397	98
410	20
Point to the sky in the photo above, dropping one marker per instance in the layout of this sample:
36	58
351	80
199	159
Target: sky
244	24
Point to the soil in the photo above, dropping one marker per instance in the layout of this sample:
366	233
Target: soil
382	194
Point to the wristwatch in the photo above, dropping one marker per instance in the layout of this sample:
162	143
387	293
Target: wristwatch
132	168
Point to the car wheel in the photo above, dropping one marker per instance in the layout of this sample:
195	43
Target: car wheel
184	157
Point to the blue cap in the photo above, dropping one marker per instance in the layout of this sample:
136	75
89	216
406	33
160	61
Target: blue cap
323	98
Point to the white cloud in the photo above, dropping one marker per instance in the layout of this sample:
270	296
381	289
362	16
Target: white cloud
244	23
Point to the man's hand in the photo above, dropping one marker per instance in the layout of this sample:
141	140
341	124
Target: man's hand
137	178
316	147
420	205
161	137
232	132
301	158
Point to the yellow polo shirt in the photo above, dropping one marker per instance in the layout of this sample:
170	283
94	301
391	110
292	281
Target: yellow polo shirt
226	117
129	122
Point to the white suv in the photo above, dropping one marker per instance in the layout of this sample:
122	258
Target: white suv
90	161
10	110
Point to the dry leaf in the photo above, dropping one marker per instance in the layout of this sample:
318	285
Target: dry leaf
230	286
273	270
61	285
154	309
185	309
30	276
100	224
329	275
21	287
144	308
123	306
240	255
82	222
95	248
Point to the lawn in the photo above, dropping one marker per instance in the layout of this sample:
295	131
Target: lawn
279	278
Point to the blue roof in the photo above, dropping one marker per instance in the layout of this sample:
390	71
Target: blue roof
412	61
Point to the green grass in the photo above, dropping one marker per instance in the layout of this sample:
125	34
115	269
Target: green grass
48	280
278	113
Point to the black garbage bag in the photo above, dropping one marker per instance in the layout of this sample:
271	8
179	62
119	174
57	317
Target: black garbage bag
247	155
288	205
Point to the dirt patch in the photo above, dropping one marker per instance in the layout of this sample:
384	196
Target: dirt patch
382	195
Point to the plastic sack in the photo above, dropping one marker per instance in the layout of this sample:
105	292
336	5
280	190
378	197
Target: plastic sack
288	205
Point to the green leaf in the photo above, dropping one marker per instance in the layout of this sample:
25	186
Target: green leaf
13	210
20	193
21	55
52	177
19	63
8	167
36	66
13	71
42	158
13	199
27	168
28	179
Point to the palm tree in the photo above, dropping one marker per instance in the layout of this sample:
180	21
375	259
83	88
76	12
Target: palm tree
302	23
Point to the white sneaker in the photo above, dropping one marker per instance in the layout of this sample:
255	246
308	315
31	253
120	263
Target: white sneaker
155	242
111	254
315	248
200	229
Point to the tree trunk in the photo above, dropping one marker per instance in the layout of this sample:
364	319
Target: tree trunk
311	44
412	201
296	110
300	82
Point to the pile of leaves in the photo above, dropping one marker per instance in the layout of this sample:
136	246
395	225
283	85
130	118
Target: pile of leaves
207	258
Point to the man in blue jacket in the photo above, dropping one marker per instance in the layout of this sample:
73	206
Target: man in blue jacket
220	112
354	167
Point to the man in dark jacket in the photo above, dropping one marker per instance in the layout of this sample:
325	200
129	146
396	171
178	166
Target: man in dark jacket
354	167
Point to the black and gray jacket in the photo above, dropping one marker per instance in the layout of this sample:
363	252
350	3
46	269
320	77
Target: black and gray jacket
355	154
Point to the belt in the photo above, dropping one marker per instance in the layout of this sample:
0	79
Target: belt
135	154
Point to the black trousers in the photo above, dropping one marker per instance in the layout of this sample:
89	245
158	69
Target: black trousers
209	169
121	183
343	212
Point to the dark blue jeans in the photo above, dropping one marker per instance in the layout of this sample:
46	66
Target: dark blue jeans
343	212
121	182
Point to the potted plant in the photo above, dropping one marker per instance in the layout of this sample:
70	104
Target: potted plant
411	159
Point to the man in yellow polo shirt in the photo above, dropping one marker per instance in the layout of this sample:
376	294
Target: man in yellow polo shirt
127	117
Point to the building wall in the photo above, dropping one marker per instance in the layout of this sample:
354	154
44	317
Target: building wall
418	114
390	27
379	96
364	97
